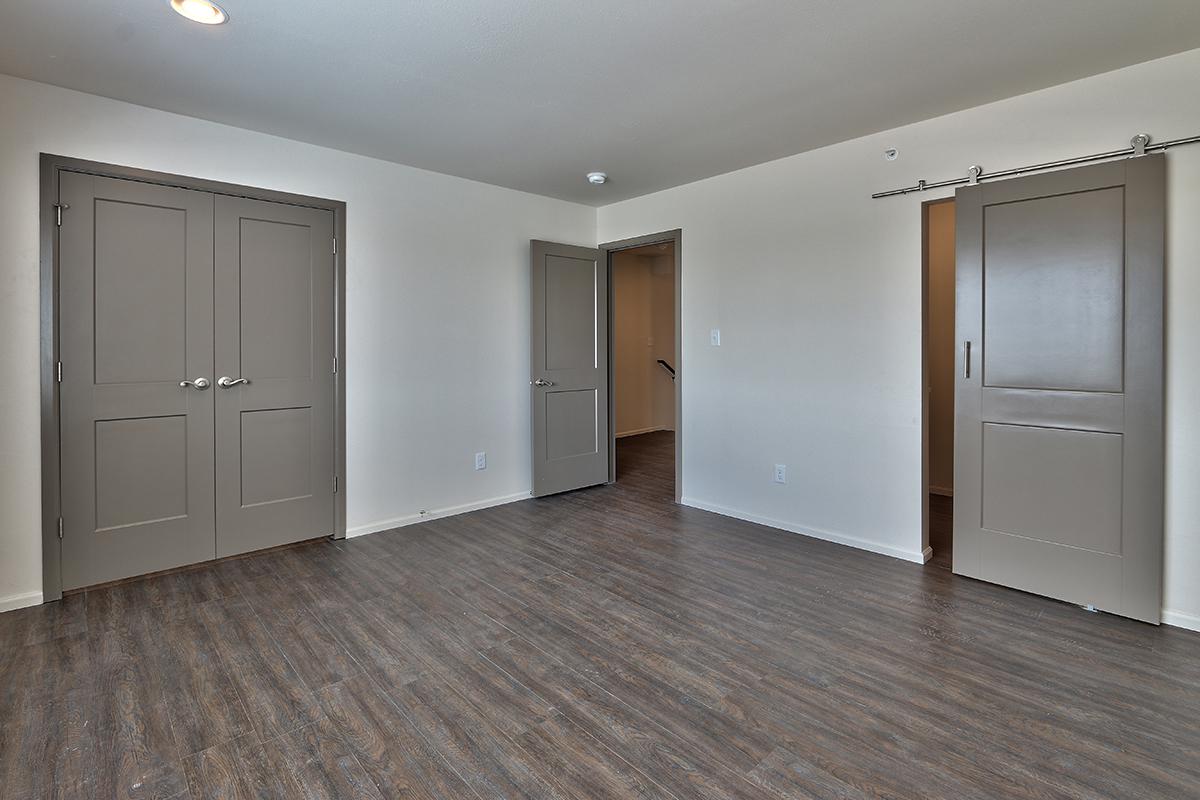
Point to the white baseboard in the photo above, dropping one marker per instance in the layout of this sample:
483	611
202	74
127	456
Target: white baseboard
437	513
942	490
916	556
15	601
1178	619
640	431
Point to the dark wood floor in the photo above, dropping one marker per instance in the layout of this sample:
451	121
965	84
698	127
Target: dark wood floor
601	644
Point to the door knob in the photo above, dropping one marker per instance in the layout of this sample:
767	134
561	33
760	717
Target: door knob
199	383
225	381
543	382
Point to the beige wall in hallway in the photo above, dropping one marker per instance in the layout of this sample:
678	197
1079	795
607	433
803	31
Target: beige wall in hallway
940	354
662	323
643	331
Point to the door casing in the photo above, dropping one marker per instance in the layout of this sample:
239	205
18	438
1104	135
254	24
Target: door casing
606	250
51	166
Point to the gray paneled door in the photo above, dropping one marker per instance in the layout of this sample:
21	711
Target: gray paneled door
569	364
274	289
1059	409
136	310
197	397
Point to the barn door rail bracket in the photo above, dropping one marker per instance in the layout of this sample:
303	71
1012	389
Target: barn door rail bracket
1139	145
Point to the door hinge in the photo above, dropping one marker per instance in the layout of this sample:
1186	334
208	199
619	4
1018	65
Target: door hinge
335	365
60	527
335	484
58	209
58	371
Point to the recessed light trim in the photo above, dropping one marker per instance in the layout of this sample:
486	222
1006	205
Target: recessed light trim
202	11
597	178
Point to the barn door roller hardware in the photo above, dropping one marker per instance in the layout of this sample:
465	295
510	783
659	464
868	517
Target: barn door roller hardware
1138	146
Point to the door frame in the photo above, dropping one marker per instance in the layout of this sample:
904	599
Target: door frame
51	166
926	547
606	250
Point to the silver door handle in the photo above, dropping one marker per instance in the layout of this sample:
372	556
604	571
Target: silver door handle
966	360
225	381
199	383
543	382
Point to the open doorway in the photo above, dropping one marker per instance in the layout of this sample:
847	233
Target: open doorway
644	372
938	359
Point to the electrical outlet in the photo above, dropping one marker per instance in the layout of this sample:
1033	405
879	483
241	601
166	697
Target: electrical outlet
481	461
714	336
781	473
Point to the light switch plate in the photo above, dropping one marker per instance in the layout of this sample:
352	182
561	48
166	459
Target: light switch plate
714	336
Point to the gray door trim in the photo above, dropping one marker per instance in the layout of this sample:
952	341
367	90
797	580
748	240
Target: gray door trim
51	166
606	251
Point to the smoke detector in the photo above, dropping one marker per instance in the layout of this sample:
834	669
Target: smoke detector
597	178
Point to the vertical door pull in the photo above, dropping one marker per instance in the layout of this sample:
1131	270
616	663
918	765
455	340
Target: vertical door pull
966	359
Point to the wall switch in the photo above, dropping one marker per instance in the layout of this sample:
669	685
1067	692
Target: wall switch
714	336
481	461
781	473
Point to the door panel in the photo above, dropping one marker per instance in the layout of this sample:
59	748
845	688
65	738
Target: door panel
1058	429
275	277
570	423
1075	477
276	455
135	296
570	312
134	490
569	362
1054	291
275	309
141	293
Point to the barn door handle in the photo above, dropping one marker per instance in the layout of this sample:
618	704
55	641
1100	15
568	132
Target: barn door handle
966	359
199	383
225	381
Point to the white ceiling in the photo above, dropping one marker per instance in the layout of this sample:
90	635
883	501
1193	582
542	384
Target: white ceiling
532	94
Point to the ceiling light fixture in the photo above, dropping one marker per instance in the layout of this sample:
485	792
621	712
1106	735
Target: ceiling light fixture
202	11
597	178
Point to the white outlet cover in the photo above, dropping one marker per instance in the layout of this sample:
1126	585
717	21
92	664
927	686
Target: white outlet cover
781	473
714	336
481	461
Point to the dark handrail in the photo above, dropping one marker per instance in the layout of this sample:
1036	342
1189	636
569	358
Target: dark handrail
667	367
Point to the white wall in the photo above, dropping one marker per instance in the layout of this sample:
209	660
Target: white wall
437	293
817	291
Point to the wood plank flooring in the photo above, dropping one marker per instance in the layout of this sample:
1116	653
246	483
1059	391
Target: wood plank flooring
600	644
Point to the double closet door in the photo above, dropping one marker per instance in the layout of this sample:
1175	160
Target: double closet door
196	340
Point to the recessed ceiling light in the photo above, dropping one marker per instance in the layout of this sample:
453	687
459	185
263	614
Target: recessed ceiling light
597	178
201	11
